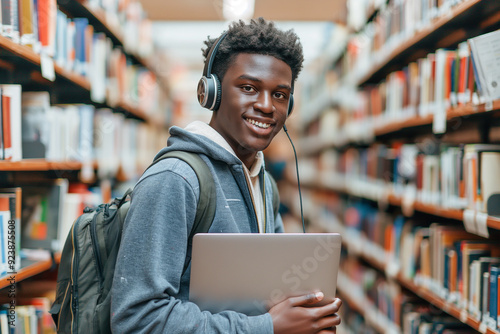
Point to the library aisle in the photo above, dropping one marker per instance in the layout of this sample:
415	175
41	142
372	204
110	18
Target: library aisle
396	127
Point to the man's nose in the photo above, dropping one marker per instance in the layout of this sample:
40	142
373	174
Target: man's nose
264	103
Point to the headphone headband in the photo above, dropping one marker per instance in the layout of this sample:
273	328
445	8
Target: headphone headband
211	55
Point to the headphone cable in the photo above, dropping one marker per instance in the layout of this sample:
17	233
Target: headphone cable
298	179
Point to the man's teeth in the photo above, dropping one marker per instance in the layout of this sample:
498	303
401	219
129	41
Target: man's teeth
259	124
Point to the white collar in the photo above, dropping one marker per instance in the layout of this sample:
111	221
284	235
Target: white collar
204	129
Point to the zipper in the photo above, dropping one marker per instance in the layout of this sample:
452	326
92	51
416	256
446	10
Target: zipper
95	245
74	281
62	303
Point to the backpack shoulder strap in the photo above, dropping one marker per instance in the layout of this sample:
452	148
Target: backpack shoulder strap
276	196
205	210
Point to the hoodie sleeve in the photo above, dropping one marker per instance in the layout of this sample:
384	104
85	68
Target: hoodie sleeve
150	264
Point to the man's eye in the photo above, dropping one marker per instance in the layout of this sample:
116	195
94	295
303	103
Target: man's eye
279	95
247	88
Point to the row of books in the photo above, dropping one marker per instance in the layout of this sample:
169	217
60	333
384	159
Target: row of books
406	313
457	267
74	45
372	289
394	24
130	20
31	317
113	78
39	25
424	319
443	81
448	176
33	128
432	85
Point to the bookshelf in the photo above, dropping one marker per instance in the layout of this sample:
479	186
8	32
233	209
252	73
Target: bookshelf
341	131
128	122
443	31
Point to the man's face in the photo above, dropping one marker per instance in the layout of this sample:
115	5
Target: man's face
255	93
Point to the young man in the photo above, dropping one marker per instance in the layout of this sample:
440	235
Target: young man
257	65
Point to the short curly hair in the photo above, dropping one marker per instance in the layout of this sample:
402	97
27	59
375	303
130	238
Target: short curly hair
258	37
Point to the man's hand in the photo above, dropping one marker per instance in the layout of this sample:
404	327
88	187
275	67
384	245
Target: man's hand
298	315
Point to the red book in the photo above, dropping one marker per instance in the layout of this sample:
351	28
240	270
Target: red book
7	137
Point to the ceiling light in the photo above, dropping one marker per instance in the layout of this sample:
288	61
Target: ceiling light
238	9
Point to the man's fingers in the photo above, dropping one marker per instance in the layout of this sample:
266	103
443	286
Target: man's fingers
329	322
329	309
307	299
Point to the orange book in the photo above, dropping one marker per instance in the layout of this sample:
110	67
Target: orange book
449	73
453	271
4	204
425	258
26	22
388	240
7	135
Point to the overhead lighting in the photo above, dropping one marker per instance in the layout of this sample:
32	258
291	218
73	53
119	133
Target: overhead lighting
238	9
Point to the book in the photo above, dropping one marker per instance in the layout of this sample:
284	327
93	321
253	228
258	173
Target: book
485	307
493	308
26	23
4	235
42	214
14	197
6	132
13	92
36	131
484	49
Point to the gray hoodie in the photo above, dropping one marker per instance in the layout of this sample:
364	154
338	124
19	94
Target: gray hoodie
150	294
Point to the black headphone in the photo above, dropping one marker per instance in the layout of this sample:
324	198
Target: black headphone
209	89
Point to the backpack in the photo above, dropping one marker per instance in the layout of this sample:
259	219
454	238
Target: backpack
88	259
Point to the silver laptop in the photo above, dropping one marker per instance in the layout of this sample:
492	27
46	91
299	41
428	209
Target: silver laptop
251	272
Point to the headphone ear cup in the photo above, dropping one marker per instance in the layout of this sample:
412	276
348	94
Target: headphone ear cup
217	92
290	105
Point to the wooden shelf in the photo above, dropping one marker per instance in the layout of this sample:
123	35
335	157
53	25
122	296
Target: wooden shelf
462	111
407	47
39	165
29	270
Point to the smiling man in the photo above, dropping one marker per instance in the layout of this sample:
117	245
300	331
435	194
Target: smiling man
255	66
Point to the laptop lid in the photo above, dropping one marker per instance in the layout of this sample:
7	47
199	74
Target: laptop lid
251	272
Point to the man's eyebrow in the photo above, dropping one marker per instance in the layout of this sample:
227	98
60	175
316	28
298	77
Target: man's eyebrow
249	77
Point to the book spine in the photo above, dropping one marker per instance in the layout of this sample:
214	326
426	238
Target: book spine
494	271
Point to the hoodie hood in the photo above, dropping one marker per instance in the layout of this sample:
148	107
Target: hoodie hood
182	140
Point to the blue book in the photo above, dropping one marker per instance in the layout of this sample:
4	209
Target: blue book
81	24
494	271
